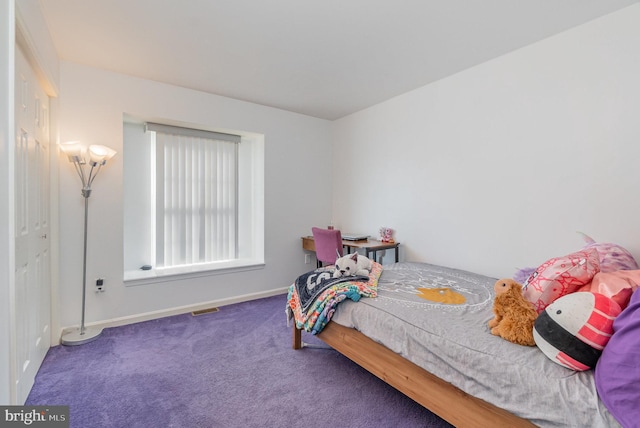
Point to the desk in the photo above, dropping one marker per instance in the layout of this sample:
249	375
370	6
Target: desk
369	245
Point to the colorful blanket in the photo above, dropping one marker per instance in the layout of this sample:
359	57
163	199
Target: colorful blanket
314	310
311	284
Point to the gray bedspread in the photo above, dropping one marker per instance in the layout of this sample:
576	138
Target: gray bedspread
453	342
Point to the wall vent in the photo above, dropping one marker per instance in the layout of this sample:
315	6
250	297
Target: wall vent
204	311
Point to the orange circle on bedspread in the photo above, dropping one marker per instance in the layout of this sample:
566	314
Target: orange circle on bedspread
442	295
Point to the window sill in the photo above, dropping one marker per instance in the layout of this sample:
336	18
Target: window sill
144	277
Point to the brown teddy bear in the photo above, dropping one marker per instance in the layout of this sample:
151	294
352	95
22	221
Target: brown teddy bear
514	316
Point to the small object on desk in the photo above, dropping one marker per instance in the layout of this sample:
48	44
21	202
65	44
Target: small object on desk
386	234
354	236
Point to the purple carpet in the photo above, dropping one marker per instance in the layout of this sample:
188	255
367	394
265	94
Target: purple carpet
232	368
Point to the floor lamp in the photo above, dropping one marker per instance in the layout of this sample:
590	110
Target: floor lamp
87	166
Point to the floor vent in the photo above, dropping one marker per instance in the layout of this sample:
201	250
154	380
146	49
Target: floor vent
204	311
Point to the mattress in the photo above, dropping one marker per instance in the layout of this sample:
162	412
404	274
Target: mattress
420	314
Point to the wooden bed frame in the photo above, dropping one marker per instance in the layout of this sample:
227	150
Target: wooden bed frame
440	397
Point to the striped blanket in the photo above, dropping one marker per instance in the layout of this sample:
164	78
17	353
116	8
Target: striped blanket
314	315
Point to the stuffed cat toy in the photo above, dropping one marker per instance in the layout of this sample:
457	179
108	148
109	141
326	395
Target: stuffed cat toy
352	264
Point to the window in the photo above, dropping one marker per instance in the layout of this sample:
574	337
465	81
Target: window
193	206
196	181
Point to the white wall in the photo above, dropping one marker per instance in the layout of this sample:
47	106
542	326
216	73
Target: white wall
497	167
297	191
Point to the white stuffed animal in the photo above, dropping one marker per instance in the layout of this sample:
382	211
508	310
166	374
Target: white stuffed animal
352	264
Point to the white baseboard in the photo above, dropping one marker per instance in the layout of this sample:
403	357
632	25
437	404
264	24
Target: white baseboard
148	316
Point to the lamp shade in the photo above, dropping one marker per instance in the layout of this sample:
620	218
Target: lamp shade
73	150
97	153
110	153
100	154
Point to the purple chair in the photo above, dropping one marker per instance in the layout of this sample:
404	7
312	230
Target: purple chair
328	245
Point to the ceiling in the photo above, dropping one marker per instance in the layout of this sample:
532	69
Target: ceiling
323	58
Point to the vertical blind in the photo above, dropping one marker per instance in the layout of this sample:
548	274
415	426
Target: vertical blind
196	196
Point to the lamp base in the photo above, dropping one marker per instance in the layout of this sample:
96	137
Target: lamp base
74	337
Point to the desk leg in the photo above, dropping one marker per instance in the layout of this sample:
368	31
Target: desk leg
397	254
375	254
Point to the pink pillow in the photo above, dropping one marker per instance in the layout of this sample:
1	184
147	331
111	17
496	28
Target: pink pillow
560	276
618	286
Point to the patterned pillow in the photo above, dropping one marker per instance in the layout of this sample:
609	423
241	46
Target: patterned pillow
618	286
560	276
612	257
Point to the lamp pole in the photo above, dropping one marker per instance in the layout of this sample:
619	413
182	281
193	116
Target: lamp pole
98	156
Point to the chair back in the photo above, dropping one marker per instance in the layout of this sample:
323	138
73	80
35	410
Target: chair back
327	242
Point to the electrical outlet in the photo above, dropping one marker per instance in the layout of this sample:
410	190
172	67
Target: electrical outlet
99	285
307	259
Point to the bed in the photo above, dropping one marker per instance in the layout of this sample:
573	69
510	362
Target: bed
419	337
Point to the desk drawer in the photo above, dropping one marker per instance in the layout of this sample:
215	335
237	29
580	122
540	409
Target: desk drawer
308	243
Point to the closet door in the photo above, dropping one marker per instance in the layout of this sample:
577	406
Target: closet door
31	315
